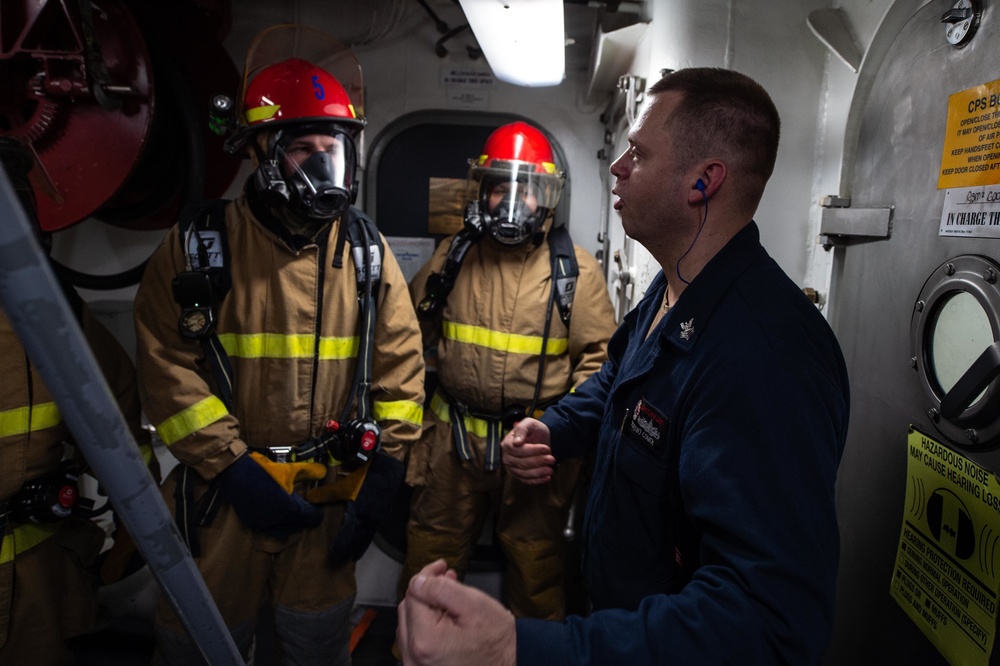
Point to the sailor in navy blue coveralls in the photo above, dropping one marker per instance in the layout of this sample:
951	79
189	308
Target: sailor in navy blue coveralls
706	437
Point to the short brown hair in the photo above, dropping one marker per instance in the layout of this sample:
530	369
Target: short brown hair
727	114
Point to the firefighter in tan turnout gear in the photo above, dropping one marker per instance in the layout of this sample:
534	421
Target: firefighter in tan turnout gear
48	558
291	398
494	307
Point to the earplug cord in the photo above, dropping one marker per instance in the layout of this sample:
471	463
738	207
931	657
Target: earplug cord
677	268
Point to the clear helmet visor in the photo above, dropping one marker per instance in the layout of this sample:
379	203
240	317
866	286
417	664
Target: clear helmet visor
514	201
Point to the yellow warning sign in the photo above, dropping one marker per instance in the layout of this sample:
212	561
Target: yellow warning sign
946	573
971	153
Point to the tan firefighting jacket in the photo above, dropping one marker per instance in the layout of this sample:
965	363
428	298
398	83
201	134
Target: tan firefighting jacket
32	431
290	327
488	337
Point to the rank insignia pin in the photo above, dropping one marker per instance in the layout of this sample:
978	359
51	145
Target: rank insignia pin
687	329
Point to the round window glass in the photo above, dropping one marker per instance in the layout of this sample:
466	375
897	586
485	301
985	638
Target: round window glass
960	333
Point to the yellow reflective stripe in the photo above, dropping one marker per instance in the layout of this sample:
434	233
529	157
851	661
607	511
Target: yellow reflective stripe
398	410
195	417
261	113
24	537
41	416
331	349
146	451
276	345
505	342
478	427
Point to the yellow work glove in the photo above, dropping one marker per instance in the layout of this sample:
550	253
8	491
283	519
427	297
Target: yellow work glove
288	473
345	488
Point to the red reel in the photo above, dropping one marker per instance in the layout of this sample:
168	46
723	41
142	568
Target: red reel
80	95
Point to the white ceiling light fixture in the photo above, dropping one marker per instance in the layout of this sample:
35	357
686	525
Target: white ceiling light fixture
524	41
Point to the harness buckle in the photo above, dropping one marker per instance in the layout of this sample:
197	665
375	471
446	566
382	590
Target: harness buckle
460	407
280	454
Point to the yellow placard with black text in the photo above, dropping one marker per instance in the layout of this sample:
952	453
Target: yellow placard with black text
971	155
946	572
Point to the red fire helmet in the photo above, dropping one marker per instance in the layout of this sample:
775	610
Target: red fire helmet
518	142
294	91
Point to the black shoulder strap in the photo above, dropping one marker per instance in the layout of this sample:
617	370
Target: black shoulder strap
200	288
362	233
203	235
367	251
439	285
206	280
565	270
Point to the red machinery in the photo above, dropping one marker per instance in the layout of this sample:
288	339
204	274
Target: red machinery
113	101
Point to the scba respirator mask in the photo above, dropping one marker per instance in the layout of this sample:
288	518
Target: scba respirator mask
309	171
511	210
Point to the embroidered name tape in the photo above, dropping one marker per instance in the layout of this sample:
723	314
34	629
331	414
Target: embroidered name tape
648	424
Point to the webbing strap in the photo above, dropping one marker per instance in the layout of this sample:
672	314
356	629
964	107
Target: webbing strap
184	500
459	434
191	515
366	298
439	285
565	270
457	414
494	432
493	446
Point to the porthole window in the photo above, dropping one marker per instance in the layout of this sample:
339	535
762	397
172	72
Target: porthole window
960	333
955	350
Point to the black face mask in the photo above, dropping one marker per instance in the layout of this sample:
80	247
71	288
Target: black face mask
511	221
313	191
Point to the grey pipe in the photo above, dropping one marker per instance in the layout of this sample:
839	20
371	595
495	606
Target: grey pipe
42	318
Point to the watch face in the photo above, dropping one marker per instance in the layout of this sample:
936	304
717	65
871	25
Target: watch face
195	321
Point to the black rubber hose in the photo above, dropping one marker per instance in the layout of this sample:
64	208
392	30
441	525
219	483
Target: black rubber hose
100	282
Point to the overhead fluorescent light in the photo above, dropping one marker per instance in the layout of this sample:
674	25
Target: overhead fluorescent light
524	41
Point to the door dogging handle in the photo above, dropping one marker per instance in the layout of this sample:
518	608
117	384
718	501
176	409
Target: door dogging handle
975	380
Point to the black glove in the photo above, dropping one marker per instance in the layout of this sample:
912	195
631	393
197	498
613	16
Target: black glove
366	513
261	503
